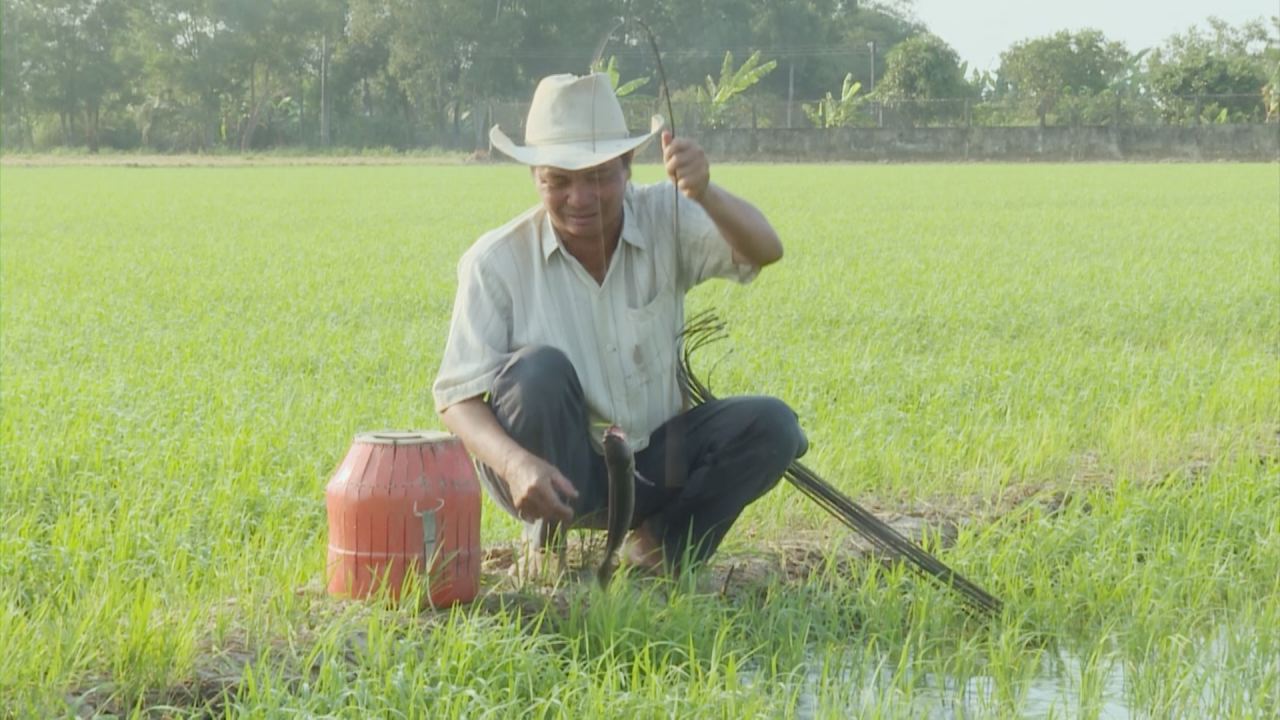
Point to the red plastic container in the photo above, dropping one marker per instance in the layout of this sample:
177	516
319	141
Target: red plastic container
402	500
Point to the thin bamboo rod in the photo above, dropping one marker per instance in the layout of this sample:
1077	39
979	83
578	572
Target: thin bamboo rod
705	328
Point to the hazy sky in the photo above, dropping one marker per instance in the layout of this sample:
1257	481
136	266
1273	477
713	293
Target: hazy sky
980	30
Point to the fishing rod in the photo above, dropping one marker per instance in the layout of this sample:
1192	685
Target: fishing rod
597	59
705	328
619	457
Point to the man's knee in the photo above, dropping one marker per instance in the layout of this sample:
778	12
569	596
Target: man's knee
777	427
537	375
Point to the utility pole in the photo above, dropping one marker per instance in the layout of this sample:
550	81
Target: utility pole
791	91
324	100
871	45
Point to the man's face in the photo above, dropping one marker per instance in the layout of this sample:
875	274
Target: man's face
583	203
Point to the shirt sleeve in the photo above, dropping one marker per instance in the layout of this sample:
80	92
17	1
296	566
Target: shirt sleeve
704	253
479	341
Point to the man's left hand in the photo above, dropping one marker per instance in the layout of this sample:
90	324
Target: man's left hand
687	165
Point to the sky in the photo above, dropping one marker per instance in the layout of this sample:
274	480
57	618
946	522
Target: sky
979	30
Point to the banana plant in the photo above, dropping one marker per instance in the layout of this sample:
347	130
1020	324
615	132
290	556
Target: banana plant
830	113
1271	94
611	69
713	100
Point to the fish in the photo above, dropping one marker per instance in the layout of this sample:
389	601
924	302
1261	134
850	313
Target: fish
620	463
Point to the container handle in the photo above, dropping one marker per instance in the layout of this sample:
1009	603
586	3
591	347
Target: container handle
429	531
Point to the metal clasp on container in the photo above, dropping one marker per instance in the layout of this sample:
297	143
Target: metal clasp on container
429	526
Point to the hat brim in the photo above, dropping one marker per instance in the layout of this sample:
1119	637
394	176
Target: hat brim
572	156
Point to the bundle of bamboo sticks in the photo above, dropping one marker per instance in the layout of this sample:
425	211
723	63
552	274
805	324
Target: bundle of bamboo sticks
705	328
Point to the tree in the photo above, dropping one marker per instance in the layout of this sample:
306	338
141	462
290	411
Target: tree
1040	73
1218	73
247	74
919	70
16	53
194	70
432	45
1127	88
884	25
74	67
793	26
361	92
274	33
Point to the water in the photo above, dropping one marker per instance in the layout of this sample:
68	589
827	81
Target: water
1055	690
1230	673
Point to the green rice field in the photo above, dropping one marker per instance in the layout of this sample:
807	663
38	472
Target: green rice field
1075	368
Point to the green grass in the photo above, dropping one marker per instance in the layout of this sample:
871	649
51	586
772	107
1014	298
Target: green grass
186	354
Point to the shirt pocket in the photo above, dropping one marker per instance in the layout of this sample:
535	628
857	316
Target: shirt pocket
649	349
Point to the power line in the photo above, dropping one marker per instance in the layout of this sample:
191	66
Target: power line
792	51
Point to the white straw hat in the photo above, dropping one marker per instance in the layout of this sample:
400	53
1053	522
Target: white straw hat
574	123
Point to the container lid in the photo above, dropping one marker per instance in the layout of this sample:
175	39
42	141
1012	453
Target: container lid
402	437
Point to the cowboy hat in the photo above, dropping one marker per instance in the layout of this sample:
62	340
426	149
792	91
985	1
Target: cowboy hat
574	123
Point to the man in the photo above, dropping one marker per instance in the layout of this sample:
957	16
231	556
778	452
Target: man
566	320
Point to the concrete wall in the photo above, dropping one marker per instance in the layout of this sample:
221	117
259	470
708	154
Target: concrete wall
1258	143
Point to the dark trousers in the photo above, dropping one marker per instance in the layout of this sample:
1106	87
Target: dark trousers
705	464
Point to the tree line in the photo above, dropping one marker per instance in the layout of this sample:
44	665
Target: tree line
241	75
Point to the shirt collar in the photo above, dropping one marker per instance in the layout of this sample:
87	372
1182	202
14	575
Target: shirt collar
631	233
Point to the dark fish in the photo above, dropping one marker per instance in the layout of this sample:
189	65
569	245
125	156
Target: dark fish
621	466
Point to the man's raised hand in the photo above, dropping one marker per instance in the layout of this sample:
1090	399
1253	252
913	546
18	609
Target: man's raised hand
686	164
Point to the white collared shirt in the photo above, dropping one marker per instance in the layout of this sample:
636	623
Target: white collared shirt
518	286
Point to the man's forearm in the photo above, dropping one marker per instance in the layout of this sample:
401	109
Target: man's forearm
473	421
537	489
743	226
